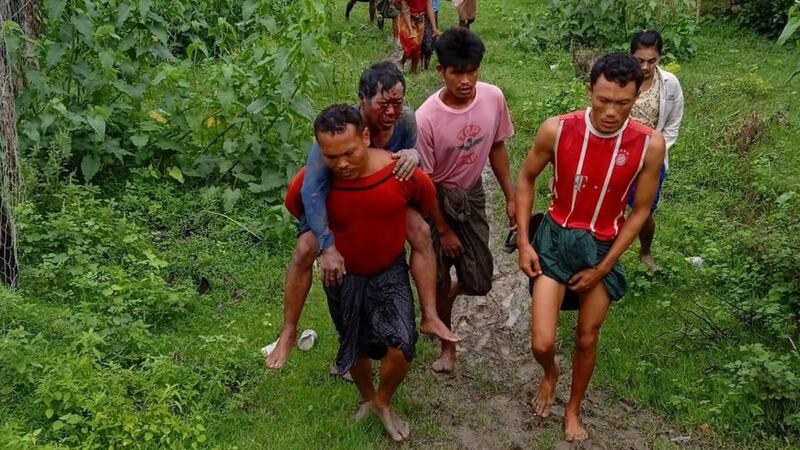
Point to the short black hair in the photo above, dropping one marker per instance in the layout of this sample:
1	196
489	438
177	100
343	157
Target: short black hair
383	75
647	39
621	68
459	47
335	118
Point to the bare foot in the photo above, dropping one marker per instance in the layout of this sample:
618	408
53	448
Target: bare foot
573	428
446	361
648	261
402	425
364	410
433	326
280	354
386	415
546	395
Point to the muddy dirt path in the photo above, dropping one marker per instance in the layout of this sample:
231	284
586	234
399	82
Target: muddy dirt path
484	404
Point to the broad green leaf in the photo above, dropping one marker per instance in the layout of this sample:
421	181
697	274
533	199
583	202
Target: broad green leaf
135	92
270	24
230	198
55	52
47	120
248	8
139	140
72	419
58	105
785	197
240	174
123	13
54	9
98	124
144	8
160	33
225	96
112	146
90	164
49	413
281	59
161	75
107	58
57	425
83	24
127	43
227	71
257	105
303	107
225	165
287	86
270	179
162	52
789	30
175	172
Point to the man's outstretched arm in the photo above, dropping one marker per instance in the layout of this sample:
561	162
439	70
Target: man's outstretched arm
538	158
646	186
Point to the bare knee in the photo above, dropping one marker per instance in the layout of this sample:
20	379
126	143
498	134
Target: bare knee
542	346
305	252
418	232
586	340
397	356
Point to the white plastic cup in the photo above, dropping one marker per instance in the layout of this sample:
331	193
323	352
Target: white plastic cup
696	261
307	340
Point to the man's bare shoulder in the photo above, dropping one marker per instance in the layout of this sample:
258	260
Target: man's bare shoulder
380	158
550	125
546	135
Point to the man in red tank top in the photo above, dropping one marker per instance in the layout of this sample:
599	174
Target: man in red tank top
597	156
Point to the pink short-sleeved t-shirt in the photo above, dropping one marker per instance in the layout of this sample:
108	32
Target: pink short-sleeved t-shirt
454	144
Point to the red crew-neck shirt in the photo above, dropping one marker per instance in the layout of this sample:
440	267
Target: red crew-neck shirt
368	215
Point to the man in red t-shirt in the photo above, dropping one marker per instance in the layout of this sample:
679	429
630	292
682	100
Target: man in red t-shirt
597	156
372	308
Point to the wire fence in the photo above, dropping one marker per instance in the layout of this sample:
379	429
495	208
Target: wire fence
11	185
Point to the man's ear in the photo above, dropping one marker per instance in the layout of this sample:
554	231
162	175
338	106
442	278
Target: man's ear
366	137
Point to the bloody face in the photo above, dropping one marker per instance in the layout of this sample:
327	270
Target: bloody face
384	109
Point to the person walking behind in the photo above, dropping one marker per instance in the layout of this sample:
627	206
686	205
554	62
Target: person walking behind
660	107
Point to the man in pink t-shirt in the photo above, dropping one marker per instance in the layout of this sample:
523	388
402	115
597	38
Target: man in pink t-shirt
460	127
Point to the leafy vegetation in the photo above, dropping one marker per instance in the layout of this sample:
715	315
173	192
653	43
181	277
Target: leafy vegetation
611	23
202	91
767	17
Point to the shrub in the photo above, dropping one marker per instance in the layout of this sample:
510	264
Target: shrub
611	24
200	90
767	17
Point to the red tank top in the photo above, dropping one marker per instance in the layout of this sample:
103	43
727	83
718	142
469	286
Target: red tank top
594	172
